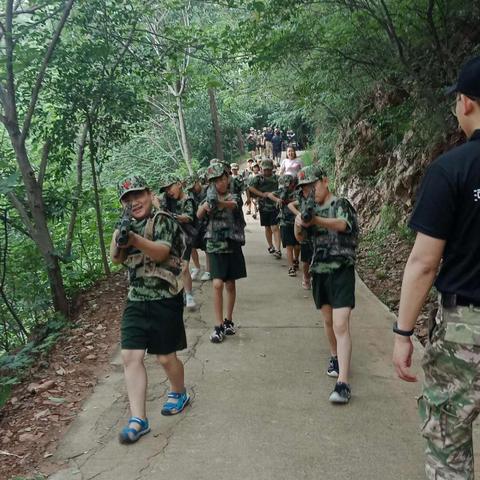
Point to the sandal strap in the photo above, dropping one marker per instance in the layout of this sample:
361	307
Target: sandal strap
140	421
174	395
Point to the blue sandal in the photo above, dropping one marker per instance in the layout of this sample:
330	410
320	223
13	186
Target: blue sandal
131	435
176	403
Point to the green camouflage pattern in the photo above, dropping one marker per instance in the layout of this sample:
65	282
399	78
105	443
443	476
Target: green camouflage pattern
168	180
310	174
131	183
191	180
234	166
265	184
215	170
286	216
342	209
267	164
167	232
451	393
223	226
298	197
237	185
202	174
185	206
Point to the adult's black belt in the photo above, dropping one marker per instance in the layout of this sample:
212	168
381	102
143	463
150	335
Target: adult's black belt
451	300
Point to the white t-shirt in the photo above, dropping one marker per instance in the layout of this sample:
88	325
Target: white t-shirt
291	167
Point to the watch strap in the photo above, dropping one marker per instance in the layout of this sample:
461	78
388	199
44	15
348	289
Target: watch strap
403	333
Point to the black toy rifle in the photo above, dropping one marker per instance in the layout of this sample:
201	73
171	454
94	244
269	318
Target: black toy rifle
212	197
308	207
124	226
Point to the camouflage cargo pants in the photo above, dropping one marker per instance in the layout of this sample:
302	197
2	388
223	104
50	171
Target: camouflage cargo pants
451	394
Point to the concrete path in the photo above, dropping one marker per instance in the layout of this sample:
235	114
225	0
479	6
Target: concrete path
260	407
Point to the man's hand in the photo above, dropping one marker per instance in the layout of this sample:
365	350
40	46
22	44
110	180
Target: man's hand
402	358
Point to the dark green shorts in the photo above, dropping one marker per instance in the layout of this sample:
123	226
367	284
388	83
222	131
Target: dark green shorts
306	252
267	219
287	233
336	289
154	325
228	266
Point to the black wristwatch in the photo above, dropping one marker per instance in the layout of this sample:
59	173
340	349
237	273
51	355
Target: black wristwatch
403	333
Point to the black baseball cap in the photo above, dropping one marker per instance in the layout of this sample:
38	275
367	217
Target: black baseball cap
468	81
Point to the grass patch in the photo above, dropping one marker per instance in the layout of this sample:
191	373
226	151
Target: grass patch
5	391
307	157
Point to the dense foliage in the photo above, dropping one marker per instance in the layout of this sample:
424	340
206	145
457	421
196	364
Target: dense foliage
92	90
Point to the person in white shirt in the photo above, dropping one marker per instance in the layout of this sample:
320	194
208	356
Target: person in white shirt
291	165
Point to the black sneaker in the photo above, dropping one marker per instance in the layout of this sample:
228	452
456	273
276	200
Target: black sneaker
229	327
341	393
332	369
217	335
271	250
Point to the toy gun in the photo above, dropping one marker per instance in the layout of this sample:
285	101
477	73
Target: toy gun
124	226
284	195
308	208
212	197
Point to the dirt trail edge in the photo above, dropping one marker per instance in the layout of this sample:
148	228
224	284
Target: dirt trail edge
260	405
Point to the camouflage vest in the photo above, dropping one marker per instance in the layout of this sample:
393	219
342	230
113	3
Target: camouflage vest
225	224
330	245
140	265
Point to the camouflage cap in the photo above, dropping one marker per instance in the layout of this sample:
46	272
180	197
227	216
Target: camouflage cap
267	164
133	183
168	180
287	180
215	170
310	174
234	166
201	173
191	180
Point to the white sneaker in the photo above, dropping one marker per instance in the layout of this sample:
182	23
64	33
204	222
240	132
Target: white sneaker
194	273
190	301
205	277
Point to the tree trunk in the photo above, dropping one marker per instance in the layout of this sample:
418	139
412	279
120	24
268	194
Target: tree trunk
37	225
240	141
98	209
187	156
216	124
78	189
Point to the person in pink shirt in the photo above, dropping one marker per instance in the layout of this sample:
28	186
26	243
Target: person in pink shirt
291	165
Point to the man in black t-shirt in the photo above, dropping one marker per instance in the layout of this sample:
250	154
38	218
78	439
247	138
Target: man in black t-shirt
268	135
447	221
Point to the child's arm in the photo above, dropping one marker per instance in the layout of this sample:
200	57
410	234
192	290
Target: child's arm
157	251
293	207
117	254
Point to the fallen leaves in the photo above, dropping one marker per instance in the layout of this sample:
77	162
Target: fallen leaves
41	408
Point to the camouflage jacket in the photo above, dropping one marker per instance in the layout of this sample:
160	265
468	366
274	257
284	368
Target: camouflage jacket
334	249
286	216
156	281
224	227
265	184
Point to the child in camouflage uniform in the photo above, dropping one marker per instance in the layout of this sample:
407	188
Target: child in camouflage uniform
153	316
196	192
261	186
181	206
251	199
283	197
306	248
335	230
225	237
